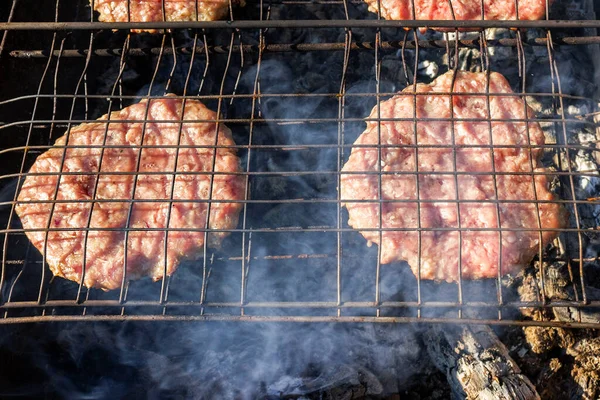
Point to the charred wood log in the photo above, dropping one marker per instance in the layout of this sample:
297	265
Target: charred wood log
477	365
582	345
586	368
558	286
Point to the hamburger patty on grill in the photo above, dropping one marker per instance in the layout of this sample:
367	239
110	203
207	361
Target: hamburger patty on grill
460	10
105	250
478	188
152	10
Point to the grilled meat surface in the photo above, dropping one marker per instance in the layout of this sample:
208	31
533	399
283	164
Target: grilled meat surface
155	10
459	10
80	189
510	195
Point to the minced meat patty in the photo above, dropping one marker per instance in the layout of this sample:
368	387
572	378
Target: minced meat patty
152	10
463	10
105	250
436	184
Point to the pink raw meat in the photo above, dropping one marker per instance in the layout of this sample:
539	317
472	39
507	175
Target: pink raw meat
440	249
460	9
105	250
152	10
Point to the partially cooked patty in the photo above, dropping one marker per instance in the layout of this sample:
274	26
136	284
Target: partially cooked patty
105	249
478	187
460	9
162	10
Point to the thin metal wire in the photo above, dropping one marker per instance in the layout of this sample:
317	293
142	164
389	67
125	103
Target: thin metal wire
523	75
294	147
308	47
54	196
173	67
71	114
289	121
350	254
43	270
166	281
565	138
253	111
299	319
242	63
286	95
266	24
417	184
22	168
213	172
300	304
291	229
340	158
590	173
135	179
494	177
205	274
14	283
455	175
380	195
11	15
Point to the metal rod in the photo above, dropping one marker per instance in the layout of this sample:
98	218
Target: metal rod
245	24
322	229
283	95
308	120
5	34
22	170
296	147
305	256
305	201
305	47
595	304
313	319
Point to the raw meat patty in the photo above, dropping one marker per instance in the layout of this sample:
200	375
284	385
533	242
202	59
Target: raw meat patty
463	9
105	254
152	10
440	249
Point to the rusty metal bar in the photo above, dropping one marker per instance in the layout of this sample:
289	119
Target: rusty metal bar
5	34
305	256
305	47
294	147
320	229
306	201
283	95
592	304
313	319
22	170
288	121
265	24
324	172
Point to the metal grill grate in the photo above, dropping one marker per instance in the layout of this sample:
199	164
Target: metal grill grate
293	256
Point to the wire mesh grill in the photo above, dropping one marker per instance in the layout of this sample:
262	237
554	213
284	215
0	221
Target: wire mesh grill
295	103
